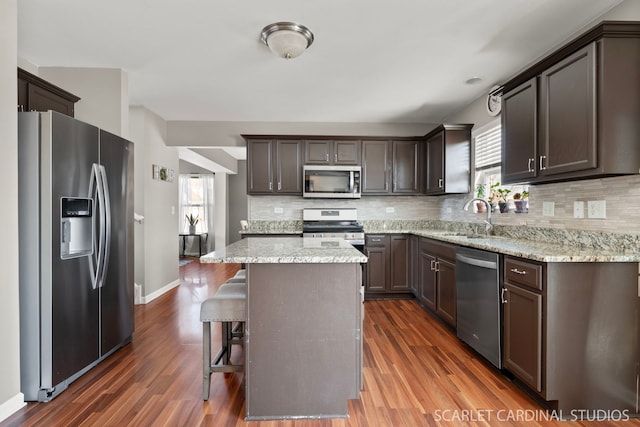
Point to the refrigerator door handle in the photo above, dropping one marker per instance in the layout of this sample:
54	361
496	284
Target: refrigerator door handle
106	220
92	258
96	189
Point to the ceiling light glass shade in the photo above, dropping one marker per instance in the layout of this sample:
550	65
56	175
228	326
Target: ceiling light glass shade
287	39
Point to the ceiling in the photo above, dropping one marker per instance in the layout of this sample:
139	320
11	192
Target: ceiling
403	61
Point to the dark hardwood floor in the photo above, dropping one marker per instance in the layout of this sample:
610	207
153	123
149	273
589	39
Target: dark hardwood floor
416	373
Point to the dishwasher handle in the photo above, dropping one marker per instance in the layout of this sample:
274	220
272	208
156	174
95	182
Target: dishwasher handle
477	262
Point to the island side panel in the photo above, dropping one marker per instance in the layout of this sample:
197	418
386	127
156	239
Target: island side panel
303	340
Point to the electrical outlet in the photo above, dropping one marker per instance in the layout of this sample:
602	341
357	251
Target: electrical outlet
597	209
278	210
578	209
548	208
390	209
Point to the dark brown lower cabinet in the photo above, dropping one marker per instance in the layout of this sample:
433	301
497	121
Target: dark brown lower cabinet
571	333
388	270
400	263
446	287
523	335
437	279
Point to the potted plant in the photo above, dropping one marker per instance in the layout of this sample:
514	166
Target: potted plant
520	200
503	202
493	196
480	207
192	220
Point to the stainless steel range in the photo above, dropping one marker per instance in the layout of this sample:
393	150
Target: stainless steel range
339	222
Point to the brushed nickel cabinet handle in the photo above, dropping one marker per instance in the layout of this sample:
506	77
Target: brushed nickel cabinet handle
504	291
520	272
542	166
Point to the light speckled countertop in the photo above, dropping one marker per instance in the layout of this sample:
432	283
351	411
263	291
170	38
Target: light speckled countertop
526	242
539	251
287	250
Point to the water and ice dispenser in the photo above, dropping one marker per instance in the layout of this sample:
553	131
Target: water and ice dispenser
76	227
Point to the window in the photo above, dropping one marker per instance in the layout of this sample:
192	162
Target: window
196	198
488	158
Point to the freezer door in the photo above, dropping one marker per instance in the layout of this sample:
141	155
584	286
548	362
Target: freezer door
117	314
69	304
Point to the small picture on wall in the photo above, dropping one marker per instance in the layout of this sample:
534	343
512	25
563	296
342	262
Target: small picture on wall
163	174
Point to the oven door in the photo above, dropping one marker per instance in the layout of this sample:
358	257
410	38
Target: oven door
338	182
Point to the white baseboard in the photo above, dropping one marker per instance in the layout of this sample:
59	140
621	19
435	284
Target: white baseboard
11	406
153	295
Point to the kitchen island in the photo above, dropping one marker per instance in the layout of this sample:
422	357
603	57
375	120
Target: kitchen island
303	335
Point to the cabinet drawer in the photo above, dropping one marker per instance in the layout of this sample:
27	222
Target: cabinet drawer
441	250
523	273
376	240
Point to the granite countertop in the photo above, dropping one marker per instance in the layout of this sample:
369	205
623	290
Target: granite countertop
526	242
530	249
287	250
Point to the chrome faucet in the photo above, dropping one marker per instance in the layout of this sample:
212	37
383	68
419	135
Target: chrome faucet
487	222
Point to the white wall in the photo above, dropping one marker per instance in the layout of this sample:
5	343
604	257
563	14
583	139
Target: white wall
10	397
221	211
156	247
103	92
188	134
237	201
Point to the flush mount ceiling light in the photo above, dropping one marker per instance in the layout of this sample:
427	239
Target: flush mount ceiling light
287	39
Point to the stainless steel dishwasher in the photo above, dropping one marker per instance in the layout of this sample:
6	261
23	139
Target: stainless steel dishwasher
478	301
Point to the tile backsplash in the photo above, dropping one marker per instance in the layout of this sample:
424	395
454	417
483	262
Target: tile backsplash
621	194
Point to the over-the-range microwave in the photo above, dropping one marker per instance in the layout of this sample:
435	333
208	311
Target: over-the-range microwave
331	182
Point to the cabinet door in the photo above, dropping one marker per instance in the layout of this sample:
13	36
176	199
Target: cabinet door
520	133
375	167
406	167
400	264
317	152
446	291
435	164
41	99
260	166
289	166
415	264
376	269
23	95
522	335
346	152
568	114
427	291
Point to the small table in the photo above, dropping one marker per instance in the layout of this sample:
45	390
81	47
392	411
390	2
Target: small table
198	235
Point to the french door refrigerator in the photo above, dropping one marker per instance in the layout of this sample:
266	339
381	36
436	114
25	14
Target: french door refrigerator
76	249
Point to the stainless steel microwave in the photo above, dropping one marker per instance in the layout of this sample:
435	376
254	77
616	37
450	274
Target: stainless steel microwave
331	182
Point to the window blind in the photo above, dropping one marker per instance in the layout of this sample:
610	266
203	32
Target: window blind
488	150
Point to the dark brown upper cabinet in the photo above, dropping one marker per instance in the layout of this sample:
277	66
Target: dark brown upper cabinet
274	166
392	166
448	159
36	94
520	129
574	114
332	152
407	167
376	167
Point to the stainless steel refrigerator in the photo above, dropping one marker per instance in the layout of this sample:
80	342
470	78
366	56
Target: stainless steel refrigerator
76	249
